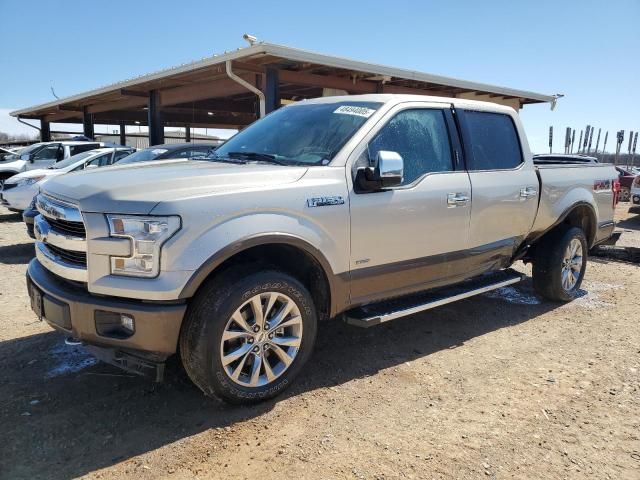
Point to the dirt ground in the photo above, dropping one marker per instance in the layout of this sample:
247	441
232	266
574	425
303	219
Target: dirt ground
504	385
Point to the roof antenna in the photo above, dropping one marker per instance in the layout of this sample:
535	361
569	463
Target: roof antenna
54	93
252	39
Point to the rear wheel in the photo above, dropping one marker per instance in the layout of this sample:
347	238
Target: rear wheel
625	194
559	264
247	336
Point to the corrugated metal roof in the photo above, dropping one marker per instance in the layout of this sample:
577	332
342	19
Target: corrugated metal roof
299	56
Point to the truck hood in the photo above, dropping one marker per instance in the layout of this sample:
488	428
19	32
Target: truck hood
137	188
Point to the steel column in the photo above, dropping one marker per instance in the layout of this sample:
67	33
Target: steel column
87	123
156	127
272	90
123	134
45	131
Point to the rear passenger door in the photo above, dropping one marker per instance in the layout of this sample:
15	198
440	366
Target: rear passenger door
504	188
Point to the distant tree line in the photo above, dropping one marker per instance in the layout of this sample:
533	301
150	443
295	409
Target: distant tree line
20	137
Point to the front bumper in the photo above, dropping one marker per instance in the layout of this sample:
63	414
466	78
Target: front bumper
19	198
71	309
28	217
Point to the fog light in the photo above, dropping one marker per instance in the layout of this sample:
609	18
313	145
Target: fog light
114	324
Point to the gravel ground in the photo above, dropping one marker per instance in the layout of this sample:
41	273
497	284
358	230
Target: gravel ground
505	385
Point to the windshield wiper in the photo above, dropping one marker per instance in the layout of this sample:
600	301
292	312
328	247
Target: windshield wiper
260	157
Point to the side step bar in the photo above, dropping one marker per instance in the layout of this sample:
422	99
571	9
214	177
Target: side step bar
376	313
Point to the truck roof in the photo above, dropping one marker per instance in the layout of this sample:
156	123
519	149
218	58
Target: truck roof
399	98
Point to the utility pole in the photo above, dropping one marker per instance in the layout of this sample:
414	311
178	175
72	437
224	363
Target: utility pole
573	139
619	140
550	139
586	138
579	142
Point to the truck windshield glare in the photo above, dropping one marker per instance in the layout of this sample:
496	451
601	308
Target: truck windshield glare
299	134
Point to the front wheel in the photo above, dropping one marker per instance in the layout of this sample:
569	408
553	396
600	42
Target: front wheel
559	264
247	336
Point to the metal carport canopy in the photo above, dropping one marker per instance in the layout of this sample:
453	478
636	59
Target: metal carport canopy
202	94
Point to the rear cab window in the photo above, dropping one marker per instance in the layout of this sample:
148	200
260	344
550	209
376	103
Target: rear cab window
492	140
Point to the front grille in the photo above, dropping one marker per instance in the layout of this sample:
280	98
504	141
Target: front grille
69	256
61	238
75	229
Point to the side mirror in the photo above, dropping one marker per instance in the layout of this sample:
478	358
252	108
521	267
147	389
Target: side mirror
388	172
27	156
389	168
90	167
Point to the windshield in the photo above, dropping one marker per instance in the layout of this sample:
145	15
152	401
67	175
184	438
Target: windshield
71	160
300	134
143	155
23	151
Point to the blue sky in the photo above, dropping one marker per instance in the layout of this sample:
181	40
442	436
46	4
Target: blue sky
587	50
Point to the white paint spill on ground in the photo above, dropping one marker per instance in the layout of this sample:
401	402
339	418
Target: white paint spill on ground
69	359
600	287
587	299
513	295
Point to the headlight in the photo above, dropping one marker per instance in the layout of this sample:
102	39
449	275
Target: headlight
28	181
147	235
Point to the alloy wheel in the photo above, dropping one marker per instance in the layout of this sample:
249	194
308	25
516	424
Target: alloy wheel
261	339
572	264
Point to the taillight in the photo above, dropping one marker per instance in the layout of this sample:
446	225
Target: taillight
616	191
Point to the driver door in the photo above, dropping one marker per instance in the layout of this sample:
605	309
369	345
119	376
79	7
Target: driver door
413	236
46	156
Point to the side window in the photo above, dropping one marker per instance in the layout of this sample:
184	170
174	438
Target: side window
120	155
100	161
420	136
82	148
50	152
186	153
199	152
494	141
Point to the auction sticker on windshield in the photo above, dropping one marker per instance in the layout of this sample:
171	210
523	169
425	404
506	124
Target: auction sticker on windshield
355	110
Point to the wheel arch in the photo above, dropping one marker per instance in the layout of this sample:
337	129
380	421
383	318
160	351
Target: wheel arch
289	252
580	214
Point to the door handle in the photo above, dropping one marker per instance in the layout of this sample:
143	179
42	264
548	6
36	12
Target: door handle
528	192
457	199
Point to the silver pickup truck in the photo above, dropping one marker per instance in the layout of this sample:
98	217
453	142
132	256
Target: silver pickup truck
363	208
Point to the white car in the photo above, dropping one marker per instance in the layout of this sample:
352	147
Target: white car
635	195
18	191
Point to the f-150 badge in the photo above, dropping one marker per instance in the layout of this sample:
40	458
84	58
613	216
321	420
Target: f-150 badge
325	201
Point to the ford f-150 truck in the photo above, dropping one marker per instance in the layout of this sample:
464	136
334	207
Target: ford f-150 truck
364	208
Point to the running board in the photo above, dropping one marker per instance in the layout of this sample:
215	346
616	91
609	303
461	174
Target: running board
376	313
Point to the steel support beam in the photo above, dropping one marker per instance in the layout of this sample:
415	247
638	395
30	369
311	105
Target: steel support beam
87	123
187	133
45	131
123	133
156	127
272	90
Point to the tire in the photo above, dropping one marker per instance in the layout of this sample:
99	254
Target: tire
625	194
552	264
227	305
